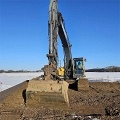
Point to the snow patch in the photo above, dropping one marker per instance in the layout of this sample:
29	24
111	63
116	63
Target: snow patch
103	76
8	80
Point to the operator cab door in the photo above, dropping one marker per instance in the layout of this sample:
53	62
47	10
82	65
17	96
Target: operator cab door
78	67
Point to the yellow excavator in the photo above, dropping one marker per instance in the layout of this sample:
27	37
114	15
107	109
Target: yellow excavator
51	88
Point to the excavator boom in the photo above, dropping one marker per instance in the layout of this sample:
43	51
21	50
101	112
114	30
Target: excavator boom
66	46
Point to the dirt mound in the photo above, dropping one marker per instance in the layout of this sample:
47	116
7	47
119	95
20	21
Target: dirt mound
101	101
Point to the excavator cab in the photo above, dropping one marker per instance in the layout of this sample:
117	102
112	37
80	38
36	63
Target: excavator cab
78	67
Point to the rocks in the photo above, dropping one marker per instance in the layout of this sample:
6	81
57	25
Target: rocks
112	111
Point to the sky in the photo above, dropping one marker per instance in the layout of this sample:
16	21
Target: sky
93	27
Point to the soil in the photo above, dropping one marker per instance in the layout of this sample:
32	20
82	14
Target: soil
100	102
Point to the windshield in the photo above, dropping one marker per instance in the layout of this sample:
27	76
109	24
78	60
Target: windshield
78	66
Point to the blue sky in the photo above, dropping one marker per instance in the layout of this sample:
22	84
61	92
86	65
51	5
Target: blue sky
93	27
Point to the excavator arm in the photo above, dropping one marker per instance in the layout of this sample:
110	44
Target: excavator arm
53	33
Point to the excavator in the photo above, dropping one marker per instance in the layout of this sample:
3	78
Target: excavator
52	89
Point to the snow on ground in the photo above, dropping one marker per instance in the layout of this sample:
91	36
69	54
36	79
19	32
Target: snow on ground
8	80
103	76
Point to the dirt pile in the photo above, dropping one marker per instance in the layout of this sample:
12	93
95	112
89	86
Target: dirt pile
101	101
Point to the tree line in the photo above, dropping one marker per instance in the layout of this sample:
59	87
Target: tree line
106	69
18	71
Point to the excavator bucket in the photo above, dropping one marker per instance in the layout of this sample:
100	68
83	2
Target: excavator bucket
54	93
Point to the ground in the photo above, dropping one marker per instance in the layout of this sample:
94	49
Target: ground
101	101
